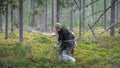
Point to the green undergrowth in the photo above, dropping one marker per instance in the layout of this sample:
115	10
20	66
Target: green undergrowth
37	51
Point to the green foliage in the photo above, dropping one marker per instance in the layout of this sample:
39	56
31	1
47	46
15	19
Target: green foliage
2	6
42	39
12	35
37	51
20	50
75	23
4	51
117	26
65	24
66	3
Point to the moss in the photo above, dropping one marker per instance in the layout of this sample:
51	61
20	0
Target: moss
37	50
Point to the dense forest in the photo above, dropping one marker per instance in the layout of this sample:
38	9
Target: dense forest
27	32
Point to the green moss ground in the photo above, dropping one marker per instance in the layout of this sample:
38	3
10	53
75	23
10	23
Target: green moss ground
37	52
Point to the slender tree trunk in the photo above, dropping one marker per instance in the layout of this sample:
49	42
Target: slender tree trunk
33	15
104	14
93	18
0	21
80	20
52	15
21	20
92	37
6	25
46	17
58	11
12	18
116	11
112	18
42	21
83	15
71	19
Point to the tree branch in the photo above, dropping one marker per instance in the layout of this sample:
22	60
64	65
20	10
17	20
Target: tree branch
115	56
83	6
103	13
93	14
76	4
104	30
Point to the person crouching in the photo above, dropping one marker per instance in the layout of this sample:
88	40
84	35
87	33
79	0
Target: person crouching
63	35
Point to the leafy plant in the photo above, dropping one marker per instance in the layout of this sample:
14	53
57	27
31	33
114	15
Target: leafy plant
20	50
43	39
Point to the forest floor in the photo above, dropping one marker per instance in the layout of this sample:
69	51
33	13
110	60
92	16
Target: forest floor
37	51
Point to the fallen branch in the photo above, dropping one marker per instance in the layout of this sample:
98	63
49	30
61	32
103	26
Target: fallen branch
91	30
116	56
99	19
104	30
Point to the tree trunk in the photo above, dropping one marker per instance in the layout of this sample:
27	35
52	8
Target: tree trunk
116	11
89	4
83	15
104	14
113	24
11	18
21	20
58	11
0	21
112	18
42	21
46	17
71	19
52	15
33	14
93	18
80	20
6	25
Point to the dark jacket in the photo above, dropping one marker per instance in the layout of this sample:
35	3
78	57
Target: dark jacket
63	36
